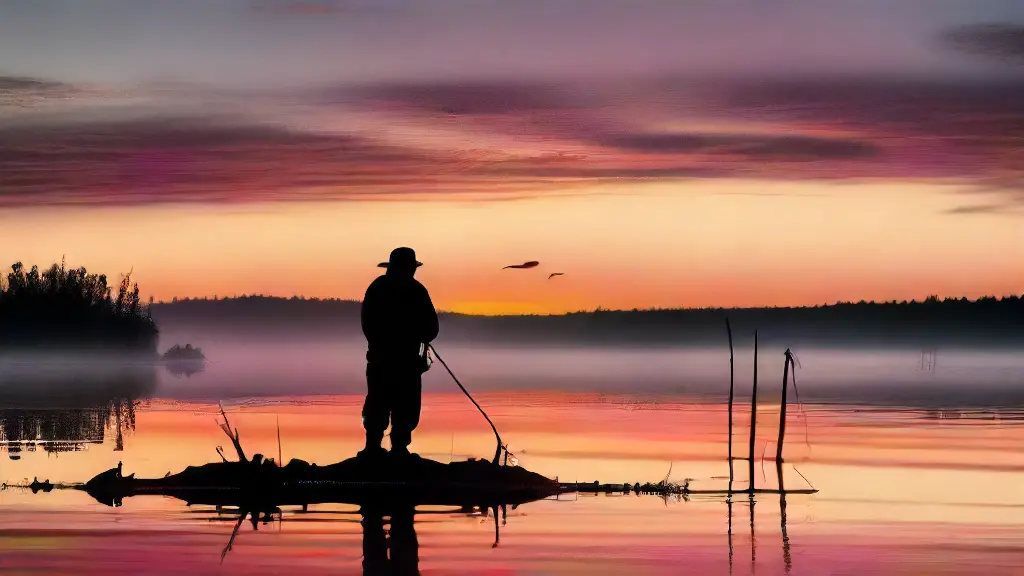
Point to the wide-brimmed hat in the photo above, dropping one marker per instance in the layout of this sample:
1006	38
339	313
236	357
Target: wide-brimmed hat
401	257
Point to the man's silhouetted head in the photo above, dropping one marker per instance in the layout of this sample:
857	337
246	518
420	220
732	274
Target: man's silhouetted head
402	262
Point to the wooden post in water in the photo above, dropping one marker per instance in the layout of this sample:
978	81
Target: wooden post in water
786	555
753	418
728	329
782	412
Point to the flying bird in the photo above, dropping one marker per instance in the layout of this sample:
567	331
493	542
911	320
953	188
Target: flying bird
524	265
553	274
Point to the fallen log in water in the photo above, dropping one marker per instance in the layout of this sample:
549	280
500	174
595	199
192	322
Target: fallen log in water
388	479
359	481
415	481
381	485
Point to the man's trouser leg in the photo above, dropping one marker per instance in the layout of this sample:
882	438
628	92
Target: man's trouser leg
405	409
377	406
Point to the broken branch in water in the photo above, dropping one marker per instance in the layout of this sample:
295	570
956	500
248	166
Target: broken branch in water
226	427
804	477
280	458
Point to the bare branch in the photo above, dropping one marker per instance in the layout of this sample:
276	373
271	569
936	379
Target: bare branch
226	427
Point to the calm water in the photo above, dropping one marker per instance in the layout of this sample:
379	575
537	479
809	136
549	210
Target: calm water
903	490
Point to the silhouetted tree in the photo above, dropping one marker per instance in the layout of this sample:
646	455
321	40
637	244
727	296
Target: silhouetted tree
72	308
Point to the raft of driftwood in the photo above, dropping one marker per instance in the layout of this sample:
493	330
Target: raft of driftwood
358	481
368	480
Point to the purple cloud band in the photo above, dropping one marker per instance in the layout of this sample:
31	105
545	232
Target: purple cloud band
567	135
996	39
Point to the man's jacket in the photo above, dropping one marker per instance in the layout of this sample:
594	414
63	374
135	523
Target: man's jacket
397	316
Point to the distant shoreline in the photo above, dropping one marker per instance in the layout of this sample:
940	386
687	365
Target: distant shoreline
251	302
983	323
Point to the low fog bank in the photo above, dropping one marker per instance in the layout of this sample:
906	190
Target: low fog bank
951	377
238	368
74	379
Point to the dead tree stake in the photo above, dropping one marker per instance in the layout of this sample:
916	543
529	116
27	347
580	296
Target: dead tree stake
753	419
728	329
782	409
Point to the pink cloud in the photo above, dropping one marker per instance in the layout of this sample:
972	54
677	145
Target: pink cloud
561	136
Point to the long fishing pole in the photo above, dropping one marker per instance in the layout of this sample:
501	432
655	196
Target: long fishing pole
497	451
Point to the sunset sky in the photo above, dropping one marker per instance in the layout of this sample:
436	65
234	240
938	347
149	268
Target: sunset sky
697	153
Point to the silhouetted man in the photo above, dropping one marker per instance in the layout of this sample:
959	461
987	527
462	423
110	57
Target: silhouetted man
398	319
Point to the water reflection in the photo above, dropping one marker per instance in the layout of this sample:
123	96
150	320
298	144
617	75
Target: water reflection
397	551
787	556
184	369
873	514
390	543
65	430
57	407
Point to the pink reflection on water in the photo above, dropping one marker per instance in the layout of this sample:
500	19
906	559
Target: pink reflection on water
899	494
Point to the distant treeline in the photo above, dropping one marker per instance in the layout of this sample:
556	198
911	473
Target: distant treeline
933	322
62	307
71	308
311	315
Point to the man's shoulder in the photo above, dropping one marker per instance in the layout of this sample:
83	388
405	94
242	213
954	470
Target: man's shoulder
377	284
419	287
402	285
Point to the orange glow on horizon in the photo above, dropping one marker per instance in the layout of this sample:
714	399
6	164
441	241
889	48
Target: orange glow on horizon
698	244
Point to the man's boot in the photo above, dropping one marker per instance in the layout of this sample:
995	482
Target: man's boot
400	443
373	447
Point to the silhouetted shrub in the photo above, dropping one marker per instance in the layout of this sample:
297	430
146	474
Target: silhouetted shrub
187	352
62	308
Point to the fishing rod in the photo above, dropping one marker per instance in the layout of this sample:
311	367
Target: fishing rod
497	451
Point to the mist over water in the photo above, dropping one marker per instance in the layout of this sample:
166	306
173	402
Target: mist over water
950	378
239	368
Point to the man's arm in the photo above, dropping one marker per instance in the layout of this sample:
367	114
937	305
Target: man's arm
430	325
368	314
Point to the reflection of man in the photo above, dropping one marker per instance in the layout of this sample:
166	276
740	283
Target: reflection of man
401	541
398	320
